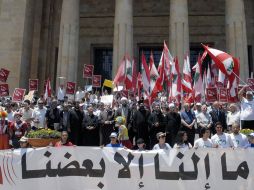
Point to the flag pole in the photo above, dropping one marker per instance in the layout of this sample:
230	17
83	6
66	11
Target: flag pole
242	81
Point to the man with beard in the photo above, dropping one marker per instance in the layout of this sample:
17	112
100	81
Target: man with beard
76	116
156	124
90	135
173	125
141	125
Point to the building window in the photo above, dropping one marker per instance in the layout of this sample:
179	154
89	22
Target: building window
103	62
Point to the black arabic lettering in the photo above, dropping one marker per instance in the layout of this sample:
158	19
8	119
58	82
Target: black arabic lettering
207	166
140	166
242	170
125	171
189	175
71	169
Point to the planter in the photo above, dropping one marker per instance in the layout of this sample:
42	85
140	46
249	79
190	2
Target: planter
37	142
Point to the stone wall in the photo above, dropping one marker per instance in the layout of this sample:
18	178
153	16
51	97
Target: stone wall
12	19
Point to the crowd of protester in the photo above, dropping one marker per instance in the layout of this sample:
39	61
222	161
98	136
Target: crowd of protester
129	123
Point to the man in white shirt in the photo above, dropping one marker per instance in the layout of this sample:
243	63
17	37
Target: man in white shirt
204	141
10	112
79	94
240	140
204	119
39	115
61	93
233	116
247	109
221	139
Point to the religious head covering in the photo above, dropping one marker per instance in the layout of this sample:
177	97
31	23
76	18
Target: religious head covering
251	135
171	105
249	93
113	135
23	139
198	104
124	99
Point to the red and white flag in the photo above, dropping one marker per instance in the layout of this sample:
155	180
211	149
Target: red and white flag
197	87
209	83
120	75
186	81
154	75
175	82
47	90
224	62
134	75
145	75
128	74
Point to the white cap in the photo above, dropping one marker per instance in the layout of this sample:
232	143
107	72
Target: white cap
114	135
171	105
124	98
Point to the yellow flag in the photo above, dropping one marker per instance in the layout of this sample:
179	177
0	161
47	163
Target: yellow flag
108	83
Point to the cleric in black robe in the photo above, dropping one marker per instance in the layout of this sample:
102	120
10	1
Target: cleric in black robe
156	124
90	126
76	116
107	125
141	125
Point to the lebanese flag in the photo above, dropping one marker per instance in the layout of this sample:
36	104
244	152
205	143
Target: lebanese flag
232	89
198	84
134	75
209	83
186	81
120	75
145	75
223	61
175	82
162	74
128	75
47	90
139	84
168	61
154	75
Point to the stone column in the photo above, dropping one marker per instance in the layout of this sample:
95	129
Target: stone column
123	32
67	65
179	29
236	37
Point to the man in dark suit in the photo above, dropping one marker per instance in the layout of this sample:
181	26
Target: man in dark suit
217	116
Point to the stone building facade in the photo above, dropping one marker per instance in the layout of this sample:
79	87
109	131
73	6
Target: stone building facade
55	38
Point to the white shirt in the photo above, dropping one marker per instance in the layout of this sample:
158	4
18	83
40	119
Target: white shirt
165	147
223	141
247	110
39	114
26	114
60	94
79	95
201	143
239	140
204	118
183	146
10	116
233	117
